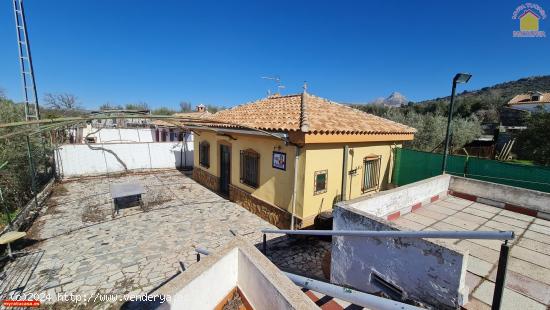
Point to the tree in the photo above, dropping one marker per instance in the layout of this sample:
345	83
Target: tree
10	112
15	180
185	106
431	129
137	106
109	106
62	101
533	142
213	108
163	111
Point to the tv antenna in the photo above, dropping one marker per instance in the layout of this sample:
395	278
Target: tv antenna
277	80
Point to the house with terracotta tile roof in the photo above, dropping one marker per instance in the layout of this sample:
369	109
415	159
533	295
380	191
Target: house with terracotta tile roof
289	158
173	131
518	109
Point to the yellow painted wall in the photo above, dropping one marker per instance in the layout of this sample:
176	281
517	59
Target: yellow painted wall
275	185
214	160
330	157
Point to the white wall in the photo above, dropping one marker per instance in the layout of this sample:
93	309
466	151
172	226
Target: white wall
424	270
82	159
259	288
500	194
208	289
401	198
110	135
237	264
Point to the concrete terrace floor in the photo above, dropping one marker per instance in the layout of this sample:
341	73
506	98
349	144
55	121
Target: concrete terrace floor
79	248
528	273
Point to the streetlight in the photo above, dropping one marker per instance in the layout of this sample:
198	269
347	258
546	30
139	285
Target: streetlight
459	78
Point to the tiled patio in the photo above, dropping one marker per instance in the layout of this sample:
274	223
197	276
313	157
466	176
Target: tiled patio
528	276
80	248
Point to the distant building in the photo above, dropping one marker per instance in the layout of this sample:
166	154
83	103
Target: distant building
106	122
110	126
173	131
521	106
251	156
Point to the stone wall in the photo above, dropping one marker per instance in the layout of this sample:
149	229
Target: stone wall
263	209
206	179
266	211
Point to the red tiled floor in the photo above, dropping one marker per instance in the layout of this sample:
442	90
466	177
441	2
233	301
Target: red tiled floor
329	303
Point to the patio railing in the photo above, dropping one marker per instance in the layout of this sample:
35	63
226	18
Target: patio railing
487	235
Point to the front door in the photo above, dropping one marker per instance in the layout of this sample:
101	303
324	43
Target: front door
225	168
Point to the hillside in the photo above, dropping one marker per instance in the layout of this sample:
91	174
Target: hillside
504	91
473	109
486	102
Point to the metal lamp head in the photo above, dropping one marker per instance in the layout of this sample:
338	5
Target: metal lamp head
462	77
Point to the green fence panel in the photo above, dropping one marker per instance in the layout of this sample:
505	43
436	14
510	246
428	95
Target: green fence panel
531	177
411	166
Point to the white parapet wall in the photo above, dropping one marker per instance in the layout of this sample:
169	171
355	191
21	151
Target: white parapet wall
512	198
422	270
73	160
402	199
238	265
117	135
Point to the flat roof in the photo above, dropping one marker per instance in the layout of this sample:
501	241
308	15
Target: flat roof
528	274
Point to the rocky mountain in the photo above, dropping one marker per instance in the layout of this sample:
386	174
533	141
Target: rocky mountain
395	99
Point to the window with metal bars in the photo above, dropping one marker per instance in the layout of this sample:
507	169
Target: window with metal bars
204	154
371	173
250	168
320	182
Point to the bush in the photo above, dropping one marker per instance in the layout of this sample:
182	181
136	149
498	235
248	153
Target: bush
534	142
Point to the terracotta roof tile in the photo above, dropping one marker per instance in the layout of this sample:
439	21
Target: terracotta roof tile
204	114
172	123
526	98
306	113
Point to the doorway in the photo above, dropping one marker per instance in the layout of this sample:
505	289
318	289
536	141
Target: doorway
225	169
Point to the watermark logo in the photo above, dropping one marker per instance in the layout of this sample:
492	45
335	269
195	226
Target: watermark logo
529	15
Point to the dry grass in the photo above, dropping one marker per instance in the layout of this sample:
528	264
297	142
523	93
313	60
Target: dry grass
156	198
93	214
59	190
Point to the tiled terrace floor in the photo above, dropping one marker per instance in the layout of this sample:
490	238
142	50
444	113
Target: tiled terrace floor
528	273
81	249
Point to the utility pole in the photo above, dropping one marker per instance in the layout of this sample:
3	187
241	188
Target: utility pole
30	95
32	111
459	78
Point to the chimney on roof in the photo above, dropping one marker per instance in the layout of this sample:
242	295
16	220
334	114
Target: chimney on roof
201	108
304	122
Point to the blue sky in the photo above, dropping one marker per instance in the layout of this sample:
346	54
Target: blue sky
214	52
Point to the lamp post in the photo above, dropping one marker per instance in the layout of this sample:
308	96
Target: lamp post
459	78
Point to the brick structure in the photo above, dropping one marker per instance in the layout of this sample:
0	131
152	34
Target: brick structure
206	179
266	211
